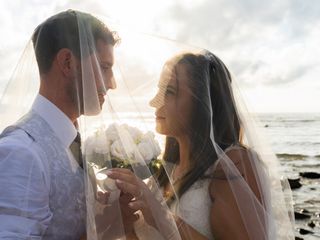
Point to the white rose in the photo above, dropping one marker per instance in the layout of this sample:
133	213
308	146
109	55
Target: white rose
146	151
112	132
127	141
97	143
102	144
149	139
136	134
117	150
137	156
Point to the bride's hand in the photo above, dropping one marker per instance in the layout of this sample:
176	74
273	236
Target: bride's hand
143	200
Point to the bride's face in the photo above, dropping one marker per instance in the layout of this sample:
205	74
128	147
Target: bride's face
173	102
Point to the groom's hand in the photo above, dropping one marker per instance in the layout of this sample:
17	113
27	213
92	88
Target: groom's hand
102	196
129	216
109	218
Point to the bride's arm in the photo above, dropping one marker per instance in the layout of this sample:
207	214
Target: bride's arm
232	195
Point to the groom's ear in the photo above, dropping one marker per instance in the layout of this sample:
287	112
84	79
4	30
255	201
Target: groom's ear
66	62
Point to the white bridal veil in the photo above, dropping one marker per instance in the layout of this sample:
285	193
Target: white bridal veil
122	134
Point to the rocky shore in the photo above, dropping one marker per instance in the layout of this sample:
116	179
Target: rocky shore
307	216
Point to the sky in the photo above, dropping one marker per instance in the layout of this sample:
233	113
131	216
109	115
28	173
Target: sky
271	47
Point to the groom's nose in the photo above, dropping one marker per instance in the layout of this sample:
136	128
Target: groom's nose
111	83
104	85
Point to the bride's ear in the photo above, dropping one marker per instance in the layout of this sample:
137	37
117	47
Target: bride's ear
67	62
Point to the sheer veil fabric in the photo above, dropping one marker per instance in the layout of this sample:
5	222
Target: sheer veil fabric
138	87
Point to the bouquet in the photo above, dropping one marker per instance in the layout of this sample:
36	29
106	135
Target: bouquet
123	146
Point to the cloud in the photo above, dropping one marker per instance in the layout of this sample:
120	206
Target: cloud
225	22
264	43
261	41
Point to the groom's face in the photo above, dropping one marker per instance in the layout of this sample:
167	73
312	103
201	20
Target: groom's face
104	78
96	78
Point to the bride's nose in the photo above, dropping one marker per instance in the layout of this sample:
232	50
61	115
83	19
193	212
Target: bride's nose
157	101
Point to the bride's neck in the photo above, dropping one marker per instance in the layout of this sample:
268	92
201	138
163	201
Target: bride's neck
184	152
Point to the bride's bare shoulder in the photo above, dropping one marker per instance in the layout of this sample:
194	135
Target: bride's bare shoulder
242	156
239	156
238	163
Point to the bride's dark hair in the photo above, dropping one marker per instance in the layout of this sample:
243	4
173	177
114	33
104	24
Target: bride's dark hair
213	104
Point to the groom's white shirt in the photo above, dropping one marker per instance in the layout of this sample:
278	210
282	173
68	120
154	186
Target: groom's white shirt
57	120
24	207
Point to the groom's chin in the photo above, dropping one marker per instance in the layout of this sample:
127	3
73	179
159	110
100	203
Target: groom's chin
91	110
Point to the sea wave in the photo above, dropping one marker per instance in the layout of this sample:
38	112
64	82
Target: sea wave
309	165
298	120
289	156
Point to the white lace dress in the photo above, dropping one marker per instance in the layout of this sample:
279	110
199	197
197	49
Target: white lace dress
194	207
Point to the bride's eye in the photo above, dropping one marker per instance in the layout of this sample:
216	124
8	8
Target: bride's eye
170	91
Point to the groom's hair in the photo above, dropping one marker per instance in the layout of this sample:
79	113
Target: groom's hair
62	31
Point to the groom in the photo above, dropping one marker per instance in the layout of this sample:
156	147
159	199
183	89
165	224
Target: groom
42	186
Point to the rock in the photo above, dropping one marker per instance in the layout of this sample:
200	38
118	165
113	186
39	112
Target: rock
298	238
304	231
311	224
266	125
304	211
301	216
311	175
294	183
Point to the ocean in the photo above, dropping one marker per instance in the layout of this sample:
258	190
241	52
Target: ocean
295	138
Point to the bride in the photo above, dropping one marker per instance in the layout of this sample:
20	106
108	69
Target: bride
217	181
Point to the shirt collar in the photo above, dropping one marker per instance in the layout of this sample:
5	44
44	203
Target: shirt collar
57	120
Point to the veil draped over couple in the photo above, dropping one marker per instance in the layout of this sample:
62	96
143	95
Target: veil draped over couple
113	134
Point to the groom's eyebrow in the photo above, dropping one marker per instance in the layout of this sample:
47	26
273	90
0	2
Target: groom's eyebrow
107	63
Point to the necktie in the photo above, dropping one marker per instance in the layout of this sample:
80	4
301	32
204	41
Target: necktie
75	148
